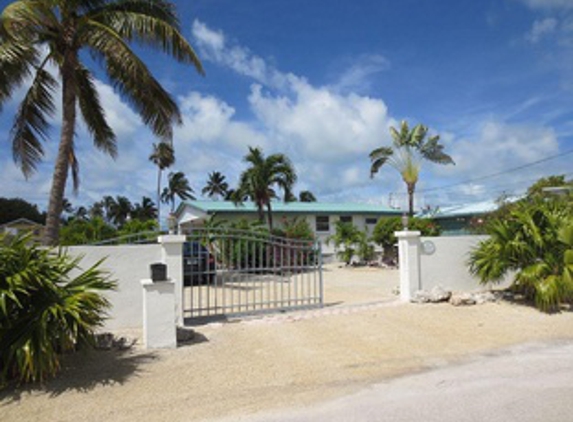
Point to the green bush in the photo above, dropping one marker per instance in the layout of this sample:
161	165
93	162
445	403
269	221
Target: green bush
47	307
349	241
535	240
384	230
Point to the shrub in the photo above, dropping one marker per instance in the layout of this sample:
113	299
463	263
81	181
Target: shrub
349	241
47	307
535	239
384	230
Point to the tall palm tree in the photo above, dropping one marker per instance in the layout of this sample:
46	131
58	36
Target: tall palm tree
163	156
177	186
120	209
216	186
37	34
409	148
257	182
306	196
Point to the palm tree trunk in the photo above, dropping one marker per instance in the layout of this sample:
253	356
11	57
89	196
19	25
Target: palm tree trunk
270	215
159	198
411	189
59	179
261	212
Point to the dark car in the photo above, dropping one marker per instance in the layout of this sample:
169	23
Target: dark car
198	264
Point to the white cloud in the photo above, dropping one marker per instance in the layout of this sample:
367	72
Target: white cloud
358	77
541	28
548	4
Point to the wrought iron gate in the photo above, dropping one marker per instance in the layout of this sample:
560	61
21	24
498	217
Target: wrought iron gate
230	272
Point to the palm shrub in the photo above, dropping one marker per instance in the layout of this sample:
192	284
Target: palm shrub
48	306
534	240
348	241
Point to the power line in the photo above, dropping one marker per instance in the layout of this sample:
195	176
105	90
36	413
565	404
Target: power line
489	176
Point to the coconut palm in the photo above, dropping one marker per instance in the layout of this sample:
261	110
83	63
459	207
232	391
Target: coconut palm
216	185
177	186
163	156
258	181
146	210
410	147
37	35
306	196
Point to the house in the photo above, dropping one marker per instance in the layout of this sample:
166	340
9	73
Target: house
321	216
457	220
22	226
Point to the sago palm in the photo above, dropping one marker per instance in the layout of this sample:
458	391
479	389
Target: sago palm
409	148
257	182
177	187
36	35
163	156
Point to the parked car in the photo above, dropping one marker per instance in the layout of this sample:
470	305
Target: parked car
198	264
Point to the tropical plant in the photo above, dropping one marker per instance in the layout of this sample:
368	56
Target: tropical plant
48	306
410	147
306	196
257	183
177	186
82	232
347	240
534	241
295	228
35	35
120	210
163	156
216	186
146	210
385	229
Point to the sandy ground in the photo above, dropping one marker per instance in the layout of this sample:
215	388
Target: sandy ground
362	337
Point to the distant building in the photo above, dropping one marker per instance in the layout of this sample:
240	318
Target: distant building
23	226
456	220
321	216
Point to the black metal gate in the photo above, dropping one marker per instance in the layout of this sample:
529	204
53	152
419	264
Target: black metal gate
229	272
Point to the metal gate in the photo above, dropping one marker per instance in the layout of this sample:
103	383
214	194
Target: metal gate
230	272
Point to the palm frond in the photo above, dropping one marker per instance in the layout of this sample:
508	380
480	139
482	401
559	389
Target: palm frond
135	82
31	122
93	113
433	151
153	23
17	62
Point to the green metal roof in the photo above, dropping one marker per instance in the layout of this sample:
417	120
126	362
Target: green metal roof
224	207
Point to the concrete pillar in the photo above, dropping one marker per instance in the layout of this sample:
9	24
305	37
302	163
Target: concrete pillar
159	319
409	260
172	256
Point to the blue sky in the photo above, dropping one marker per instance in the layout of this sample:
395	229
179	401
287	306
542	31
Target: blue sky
323	80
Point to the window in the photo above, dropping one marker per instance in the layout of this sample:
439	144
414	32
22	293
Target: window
322	223
346	219
371	221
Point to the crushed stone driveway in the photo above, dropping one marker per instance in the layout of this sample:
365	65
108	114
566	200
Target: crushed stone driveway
527	383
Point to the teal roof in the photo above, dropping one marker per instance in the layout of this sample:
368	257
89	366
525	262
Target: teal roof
211	207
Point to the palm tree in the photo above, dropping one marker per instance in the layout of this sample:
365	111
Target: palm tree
163	156
216	186
256	182
120	210
177	186
410	147
146	210
306	196
35	35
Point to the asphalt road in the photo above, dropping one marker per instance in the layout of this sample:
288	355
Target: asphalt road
528	383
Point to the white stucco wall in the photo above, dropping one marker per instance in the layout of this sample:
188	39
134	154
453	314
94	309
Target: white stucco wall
447	265
128	265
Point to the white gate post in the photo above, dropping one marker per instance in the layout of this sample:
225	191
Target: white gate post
409	259
172	256
159	328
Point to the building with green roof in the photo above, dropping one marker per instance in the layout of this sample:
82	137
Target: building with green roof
321	216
